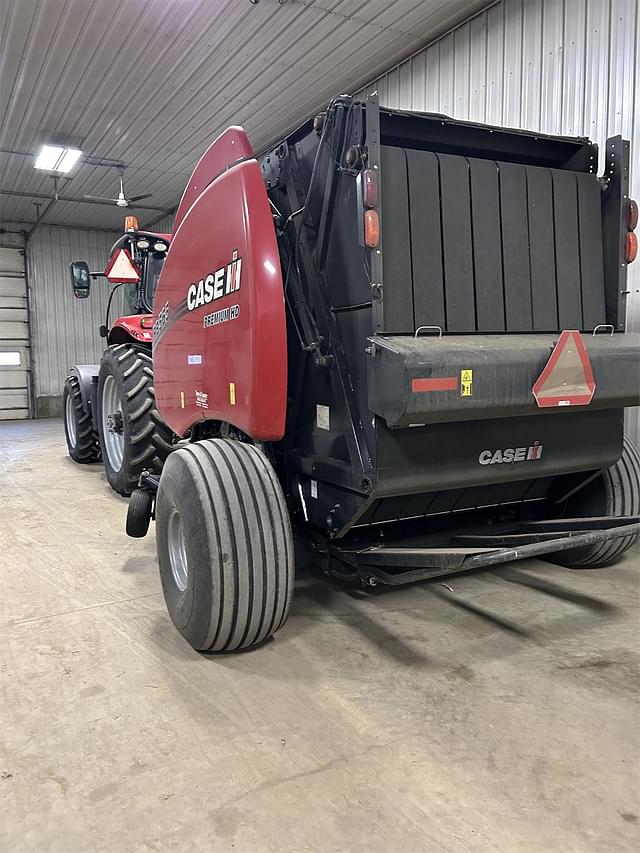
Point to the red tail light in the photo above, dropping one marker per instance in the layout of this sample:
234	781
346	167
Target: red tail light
369	188
372	228
631	248
632	214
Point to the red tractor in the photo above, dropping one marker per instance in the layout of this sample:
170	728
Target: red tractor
402	336
109	409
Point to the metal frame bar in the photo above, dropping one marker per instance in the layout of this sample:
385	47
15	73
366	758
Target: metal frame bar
425	563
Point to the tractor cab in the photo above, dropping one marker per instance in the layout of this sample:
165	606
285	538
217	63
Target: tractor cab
135	265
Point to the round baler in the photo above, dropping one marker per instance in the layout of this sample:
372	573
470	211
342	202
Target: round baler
355	344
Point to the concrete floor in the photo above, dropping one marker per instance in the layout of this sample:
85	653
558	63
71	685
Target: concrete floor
499	716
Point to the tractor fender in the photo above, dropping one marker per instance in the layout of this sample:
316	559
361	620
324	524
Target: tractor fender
135	329
87	375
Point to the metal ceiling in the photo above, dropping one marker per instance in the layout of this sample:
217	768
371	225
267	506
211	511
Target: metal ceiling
152	82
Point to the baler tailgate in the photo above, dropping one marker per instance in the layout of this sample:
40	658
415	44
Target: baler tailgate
454	230
422	380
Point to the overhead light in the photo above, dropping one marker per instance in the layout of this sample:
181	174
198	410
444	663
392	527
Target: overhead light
57	158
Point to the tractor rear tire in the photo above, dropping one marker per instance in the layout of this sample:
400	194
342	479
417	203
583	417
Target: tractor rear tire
616	491
82	440
225	547
133	436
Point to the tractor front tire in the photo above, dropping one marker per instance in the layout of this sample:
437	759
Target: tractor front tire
82	439
225	546
615	491
133	437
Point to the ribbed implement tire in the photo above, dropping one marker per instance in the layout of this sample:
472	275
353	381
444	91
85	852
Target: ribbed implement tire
82	440
147	439
225	546
615	491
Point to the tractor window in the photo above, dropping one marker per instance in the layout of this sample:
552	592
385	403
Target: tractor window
152	274
130	298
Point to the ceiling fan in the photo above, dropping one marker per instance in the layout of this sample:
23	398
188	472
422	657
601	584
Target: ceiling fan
121	200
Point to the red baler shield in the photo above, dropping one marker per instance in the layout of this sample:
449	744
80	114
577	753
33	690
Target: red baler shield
567	379
231	146
220	346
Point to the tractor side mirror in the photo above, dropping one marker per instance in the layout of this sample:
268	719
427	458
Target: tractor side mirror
80	279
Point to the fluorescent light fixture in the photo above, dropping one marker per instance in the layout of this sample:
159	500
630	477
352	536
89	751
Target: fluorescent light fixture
57	158
9	359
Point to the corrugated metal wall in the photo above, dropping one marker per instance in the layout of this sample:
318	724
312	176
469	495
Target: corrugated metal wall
556	66
64	329
164	225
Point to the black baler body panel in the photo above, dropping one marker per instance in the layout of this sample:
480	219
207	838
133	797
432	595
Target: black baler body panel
499	238
502	371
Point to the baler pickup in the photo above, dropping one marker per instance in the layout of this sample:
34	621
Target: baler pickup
402	562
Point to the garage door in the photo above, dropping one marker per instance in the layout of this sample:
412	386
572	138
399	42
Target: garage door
14	337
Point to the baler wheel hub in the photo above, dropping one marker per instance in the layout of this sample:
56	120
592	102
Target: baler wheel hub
177	551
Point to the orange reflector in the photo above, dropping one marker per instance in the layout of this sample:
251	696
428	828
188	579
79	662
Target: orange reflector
371	228
567	379
131	223
438	383
632	214
146	323
631	248
369	188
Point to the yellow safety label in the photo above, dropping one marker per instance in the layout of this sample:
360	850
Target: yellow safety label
232	393
466	383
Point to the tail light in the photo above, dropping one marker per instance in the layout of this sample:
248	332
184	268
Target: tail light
631	242
146	323
370	188
372	228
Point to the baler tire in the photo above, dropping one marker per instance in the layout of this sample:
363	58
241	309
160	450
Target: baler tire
139	513
83	443
225	547
616	491
146	439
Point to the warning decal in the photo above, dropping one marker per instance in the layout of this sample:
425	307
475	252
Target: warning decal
466	383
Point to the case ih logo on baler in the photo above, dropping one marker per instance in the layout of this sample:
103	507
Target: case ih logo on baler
216	285
511	454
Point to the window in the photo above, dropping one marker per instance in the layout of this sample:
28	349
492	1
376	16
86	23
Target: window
152	274
9	359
